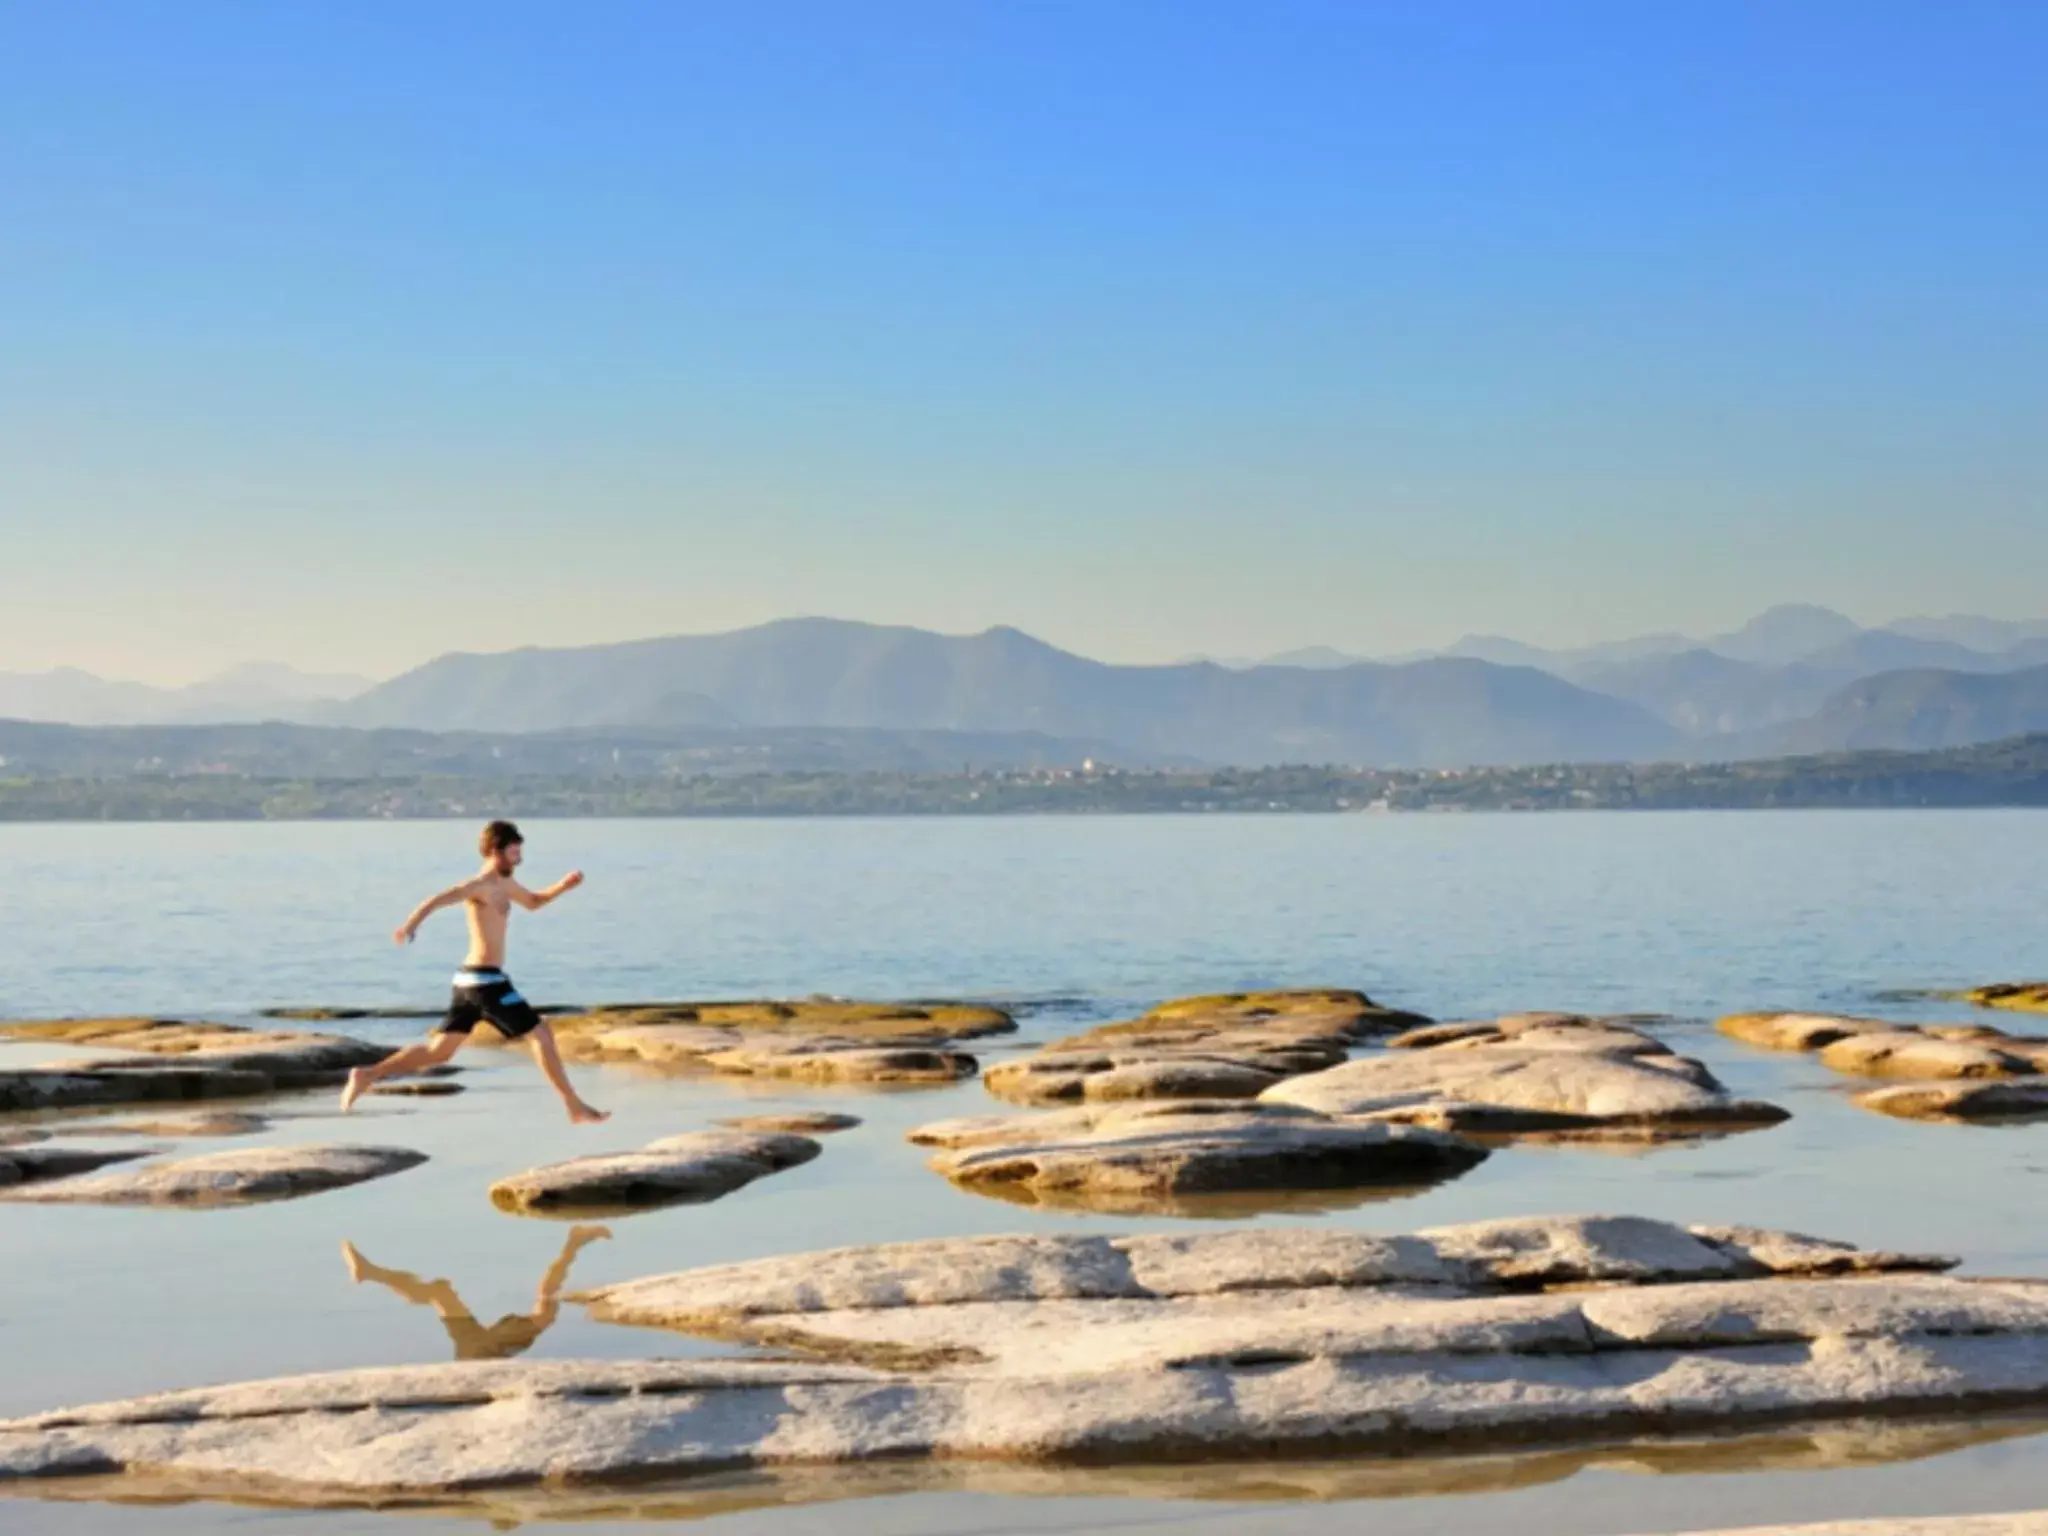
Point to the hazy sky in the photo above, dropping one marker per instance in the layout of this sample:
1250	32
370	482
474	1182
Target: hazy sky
348	333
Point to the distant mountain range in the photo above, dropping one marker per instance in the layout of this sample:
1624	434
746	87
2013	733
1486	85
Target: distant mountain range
255	691
824	672
1793	680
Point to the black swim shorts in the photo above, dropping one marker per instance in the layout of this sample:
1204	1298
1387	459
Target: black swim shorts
485	992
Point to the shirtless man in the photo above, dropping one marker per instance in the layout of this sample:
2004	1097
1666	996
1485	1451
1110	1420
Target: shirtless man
482	989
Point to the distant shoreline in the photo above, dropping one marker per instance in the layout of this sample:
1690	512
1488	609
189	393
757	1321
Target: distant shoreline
2005	774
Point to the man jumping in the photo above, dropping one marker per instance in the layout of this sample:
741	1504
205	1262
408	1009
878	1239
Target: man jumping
482	989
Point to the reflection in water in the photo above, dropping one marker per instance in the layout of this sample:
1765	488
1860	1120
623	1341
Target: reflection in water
512	1334
1839	1446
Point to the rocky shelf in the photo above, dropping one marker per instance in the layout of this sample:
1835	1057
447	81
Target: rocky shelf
1501	1336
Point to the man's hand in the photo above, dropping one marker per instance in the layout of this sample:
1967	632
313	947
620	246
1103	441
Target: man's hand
403	933
570	881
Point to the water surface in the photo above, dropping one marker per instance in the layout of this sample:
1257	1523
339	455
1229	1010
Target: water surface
1070	920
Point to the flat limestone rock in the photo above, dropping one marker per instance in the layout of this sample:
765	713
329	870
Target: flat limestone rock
1509	1090
1537	1032
114	1083
798	1122
681	1032
1878	1048
246	1176
1053	1349
2026	996
1471	1258
833	1061
170	1059
1129	1157
1335	1009
1798	1031
1068	1076
31	1165
1231	1046
1915	1053
1978	1099
821	1040
695	1166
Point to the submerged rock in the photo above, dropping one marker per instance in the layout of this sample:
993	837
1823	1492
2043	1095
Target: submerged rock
1057	1349
30	1165
799	1122
1605	1084
2026	996
218	1122
696	1166
1983	1099
1134	1158
241	1177
417	1088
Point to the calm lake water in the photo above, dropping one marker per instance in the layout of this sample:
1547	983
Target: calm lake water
1071	921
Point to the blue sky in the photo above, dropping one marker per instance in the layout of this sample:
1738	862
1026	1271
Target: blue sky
347	334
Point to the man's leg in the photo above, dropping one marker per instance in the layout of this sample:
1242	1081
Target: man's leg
541	1042
402	1063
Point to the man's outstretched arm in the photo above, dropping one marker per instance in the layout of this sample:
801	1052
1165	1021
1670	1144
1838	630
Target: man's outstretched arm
533	901
453	896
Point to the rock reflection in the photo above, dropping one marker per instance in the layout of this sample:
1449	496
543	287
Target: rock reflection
1843	1446
512	1334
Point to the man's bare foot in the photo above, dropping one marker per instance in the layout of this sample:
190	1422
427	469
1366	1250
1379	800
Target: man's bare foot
583	1236
356	1084
581	1113
355	1262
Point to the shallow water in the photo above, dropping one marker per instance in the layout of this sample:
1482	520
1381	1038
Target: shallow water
1071	920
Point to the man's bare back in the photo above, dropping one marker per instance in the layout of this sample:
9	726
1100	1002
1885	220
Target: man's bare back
483	993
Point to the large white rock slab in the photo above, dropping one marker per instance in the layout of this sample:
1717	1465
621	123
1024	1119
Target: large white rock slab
1512	1254
1052	1349
245	1176
695	1166
1145	1156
